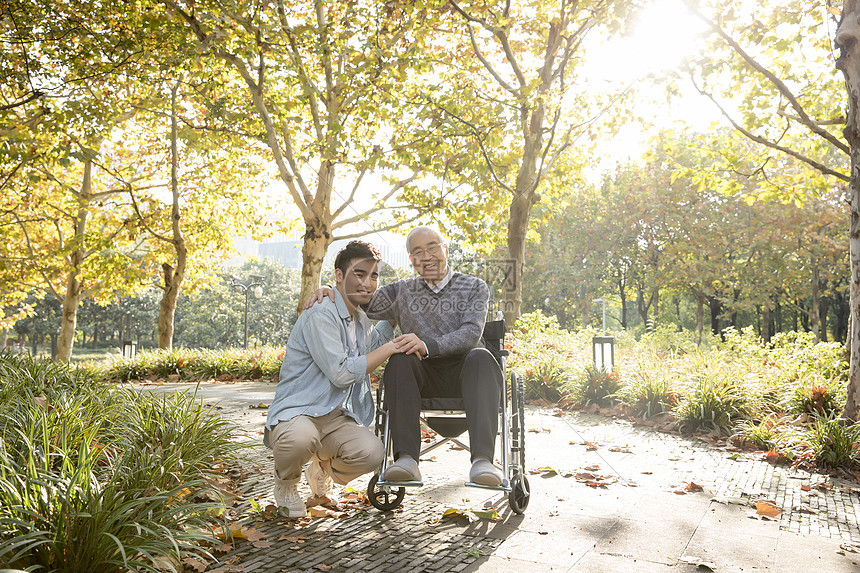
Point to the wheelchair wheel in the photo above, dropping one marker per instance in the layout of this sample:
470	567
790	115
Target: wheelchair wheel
517	423
384	498
520	494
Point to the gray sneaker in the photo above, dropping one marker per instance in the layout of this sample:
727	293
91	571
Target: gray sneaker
404	469
287	497
318	479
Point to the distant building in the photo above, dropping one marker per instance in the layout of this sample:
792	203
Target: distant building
288	251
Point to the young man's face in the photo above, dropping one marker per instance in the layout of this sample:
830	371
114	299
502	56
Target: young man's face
429	256
360	281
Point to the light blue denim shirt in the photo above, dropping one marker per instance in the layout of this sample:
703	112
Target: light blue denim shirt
321	371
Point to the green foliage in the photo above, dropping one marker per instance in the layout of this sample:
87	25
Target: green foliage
95	478
545	380
763	434
537	322
717	399
834	442
649	393
187	364
597	386
824	397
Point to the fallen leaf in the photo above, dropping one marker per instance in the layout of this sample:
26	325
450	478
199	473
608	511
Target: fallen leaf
539	430
259	406
622	450
692	486
701	564
197	564
263	544
767	509
322	567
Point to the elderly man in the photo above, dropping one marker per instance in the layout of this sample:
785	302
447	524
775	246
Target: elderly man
323	395
441	314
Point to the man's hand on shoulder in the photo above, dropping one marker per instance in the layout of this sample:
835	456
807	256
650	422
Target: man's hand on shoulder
318	296
411	344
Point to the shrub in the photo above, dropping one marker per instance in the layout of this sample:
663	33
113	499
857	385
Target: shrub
833	441
649	393
99	478
544	381
716	401
764	434
597	386
816	396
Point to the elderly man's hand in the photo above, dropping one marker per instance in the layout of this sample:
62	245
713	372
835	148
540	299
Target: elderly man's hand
318	296
411	344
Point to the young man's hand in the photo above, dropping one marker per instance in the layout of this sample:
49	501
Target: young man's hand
411	344
318	296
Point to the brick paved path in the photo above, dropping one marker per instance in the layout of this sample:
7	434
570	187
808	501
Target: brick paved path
631	463
641	511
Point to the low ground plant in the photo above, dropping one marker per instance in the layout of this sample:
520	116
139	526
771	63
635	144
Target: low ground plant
187	364
833	441
596	386
715	400
99	478
649	393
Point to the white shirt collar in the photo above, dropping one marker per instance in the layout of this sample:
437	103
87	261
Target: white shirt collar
441	284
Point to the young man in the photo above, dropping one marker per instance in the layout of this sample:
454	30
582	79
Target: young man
442	315
323	395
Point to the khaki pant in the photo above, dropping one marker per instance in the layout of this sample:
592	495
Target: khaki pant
335	439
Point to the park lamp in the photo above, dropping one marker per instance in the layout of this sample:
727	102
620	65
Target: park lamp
603	347
254	285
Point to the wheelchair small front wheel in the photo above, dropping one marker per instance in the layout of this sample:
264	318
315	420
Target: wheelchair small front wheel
384	498
520	494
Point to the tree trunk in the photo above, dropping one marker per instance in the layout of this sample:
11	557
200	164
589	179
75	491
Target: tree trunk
822	327
848	42
765	323
74	288
715	307
173	276
622	293
814	316
700	316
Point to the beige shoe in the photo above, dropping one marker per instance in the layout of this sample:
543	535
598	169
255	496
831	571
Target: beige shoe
404	469
287	497
318	479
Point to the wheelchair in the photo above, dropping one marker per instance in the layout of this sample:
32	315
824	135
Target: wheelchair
447	417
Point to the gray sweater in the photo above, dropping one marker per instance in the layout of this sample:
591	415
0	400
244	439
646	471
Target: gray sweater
449	322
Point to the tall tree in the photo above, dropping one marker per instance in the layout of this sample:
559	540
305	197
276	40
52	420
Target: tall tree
514	98
775	59
324	83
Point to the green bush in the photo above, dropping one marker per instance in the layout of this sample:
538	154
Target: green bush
649	393
98	478
191	364
716	401
833	441
544	381
597	386
823	397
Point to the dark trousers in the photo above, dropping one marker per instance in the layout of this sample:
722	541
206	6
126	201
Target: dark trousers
476	377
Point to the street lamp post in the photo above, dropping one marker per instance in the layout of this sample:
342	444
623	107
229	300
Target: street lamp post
603	347
254	285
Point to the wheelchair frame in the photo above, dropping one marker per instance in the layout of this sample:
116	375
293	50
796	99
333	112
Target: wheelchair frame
387	495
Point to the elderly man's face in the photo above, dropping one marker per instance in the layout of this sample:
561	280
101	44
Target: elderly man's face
429	256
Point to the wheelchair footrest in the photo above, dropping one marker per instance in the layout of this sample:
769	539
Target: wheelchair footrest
410	483
505	486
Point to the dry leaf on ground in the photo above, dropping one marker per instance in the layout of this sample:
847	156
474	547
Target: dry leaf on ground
767	509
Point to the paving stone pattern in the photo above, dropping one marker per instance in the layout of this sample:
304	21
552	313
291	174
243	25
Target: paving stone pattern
642	518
